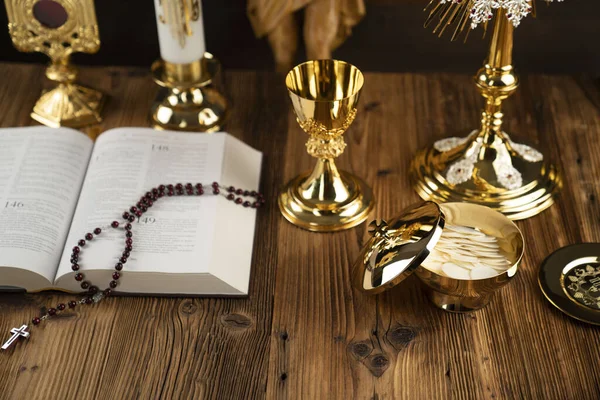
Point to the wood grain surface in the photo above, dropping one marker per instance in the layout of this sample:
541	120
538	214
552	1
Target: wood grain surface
304	332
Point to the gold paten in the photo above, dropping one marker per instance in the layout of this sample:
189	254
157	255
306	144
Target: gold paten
570	280
398	248
68	104
190	99
324	94
506	176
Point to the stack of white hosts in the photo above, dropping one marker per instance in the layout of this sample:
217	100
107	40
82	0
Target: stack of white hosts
466	253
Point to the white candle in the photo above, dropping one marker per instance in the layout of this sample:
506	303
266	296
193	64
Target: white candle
180	30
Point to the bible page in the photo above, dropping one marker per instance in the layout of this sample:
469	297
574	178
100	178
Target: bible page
175	235
41	172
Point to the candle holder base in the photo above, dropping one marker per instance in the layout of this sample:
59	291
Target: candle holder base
189	99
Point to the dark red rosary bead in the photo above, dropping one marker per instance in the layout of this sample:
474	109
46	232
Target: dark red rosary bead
200	192
93	290
154	191
239	191
107	292
116	275
118	266
178	186
89	236
143	208
246	193
85	284
61	306
253	193
51	311
123	260
131	218
129	234
138	214
79	276
126	254
239	200
74	259
89	300
81	243
128	227
128	241
133	209
76	250
231	189
75	267
170	193
246	204
97	231
128	248
72	304
113	284
179	191
256	204
160	194
215	184
189	186
198	186
161	188
126	215
230	196
35	321
216	191
114	224
170	187
189	191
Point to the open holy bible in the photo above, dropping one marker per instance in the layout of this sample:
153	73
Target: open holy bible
56	185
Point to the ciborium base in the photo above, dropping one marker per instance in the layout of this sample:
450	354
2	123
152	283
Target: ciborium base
458	304
69	105
326	216
508	177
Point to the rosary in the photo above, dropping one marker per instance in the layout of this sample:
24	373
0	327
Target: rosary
92	293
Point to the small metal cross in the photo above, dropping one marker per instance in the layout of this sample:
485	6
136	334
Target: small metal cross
16	333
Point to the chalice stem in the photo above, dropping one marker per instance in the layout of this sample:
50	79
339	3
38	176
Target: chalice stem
325	184
496	80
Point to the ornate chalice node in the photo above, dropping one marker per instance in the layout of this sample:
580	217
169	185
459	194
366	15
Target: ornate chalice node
324	95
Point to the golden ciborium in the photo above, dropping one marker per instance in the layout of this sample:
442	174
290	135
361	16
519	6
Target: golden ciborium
324	94
487	167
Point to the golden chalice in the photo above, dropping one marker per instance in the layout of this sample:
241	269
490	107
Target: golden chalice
324	94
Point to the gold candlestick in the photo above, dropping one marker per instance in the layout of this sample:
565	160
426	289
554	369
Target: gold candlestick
324	94
190	99
59	28
487	167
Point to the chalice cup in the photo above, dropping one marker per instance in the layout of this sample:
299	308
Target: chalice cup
324	95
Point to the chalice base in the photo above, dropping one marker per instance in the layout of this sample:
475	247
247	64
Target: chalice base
458	304
193	109
317	215
69	105
540	181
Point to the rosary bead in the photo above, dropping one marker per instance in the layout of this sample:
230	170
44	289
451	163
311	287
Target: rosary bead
253	193
148	195
107	292
125	215
52	311
79	276
81	243
131	218
126	254
133	209
139	204
216	191
170	193
114	224
161	194
116	275
188	186
246	204
138	214
178	186
113	284
200	192
189	191
118	266
61	307
97	231
154	191
72	304
239	191
128	241
230	196
74	259
143	208
231	189
123	259
170	187
149	203
239	200
161	188
88	300
93	290
179	191
198	186
129	234
246	193
89	236
85	284
75	267
35	321
215	184
76	250
128	227
256	204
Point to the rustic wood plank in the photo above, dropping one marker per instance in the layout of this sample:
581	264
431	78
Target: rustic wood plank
304	332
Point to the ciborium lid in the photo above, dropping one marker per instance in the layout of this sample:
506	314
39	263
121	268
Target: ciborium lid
397	248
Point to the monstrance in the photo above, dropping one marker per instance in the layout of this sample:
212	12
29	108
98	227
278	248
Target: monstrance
487	167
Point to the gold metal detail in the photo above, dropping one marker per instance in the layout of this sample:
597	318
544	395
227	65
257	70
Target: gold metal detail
324	95
179	15
397	249
190	99
487	167
68	104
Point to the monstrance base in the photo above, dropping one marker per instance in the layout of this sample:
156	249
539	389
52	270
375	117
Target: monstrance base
314	216
541	180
